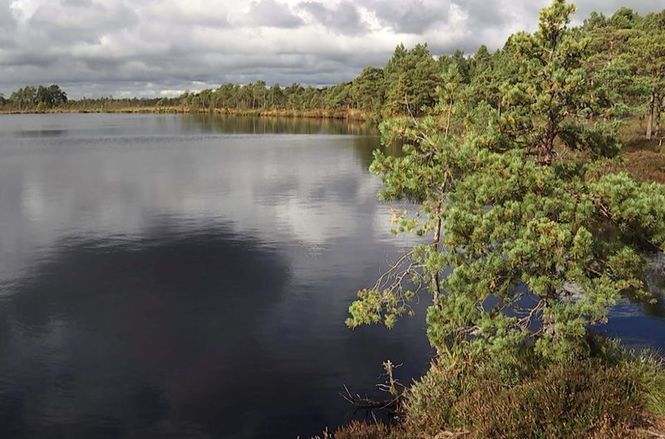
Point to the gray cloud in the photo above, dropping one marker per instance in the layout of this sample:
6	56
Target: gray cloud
81	21
411	16
343	19
161	47
482	13
273	14
6	17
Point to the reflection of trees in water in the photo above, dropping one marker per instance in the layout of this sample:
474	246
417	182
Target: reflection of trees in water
366	138
656	274
656	284
653	304
364	148
213	123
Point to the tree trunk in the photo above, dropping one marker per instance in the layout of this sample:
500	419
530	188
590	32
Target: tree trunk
436	292
658	111
650	116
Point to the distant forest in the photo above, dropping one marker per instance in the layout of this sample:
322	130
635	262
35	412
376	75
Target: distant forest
626	51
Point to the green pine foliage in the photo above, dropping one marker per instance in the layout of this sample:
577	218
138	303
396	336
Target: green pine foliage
532	239
537	244
31	98
532	243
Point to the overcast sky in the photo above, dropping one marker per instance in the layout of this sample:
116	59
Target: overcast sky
162	47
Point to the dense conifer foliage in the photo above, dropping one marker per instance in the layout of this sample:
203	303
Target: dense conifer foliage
537	244
36	98
527	240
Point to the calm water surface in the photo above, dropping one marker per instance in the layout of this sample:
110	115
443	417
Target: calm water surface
188	276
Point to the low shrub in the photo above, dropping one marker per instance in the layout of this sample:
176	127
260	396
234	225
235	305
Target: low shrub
574	400
612	394
370	430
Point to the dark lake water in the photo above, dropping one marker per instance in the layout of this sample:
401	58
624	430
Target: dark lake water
189	276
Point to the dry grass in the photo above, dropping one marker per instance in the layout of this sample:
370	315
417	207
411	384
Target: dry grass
367	430
559	402
644	164
643	159
614	396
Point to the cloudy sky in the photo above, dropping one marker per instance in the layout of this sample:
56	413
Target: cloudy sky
162	47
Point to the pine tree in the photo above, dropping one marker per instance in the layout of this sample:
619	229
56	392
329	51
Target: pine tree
532	244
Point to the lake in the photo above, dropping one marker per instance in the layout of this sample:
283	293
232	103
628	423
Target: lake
189	276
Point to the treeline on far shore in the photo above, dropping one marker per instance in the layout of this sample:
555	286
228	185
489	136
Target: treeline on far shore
173	105
625	49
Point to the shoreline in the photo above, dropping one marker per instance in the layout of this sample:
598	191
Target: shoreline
351	115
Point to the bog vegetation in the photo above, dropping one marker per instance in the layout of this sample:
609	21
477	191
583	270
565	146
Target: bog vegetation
529	237
531	228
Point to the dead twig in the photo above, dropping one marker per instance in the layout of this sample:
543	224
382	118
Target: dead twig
391	386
